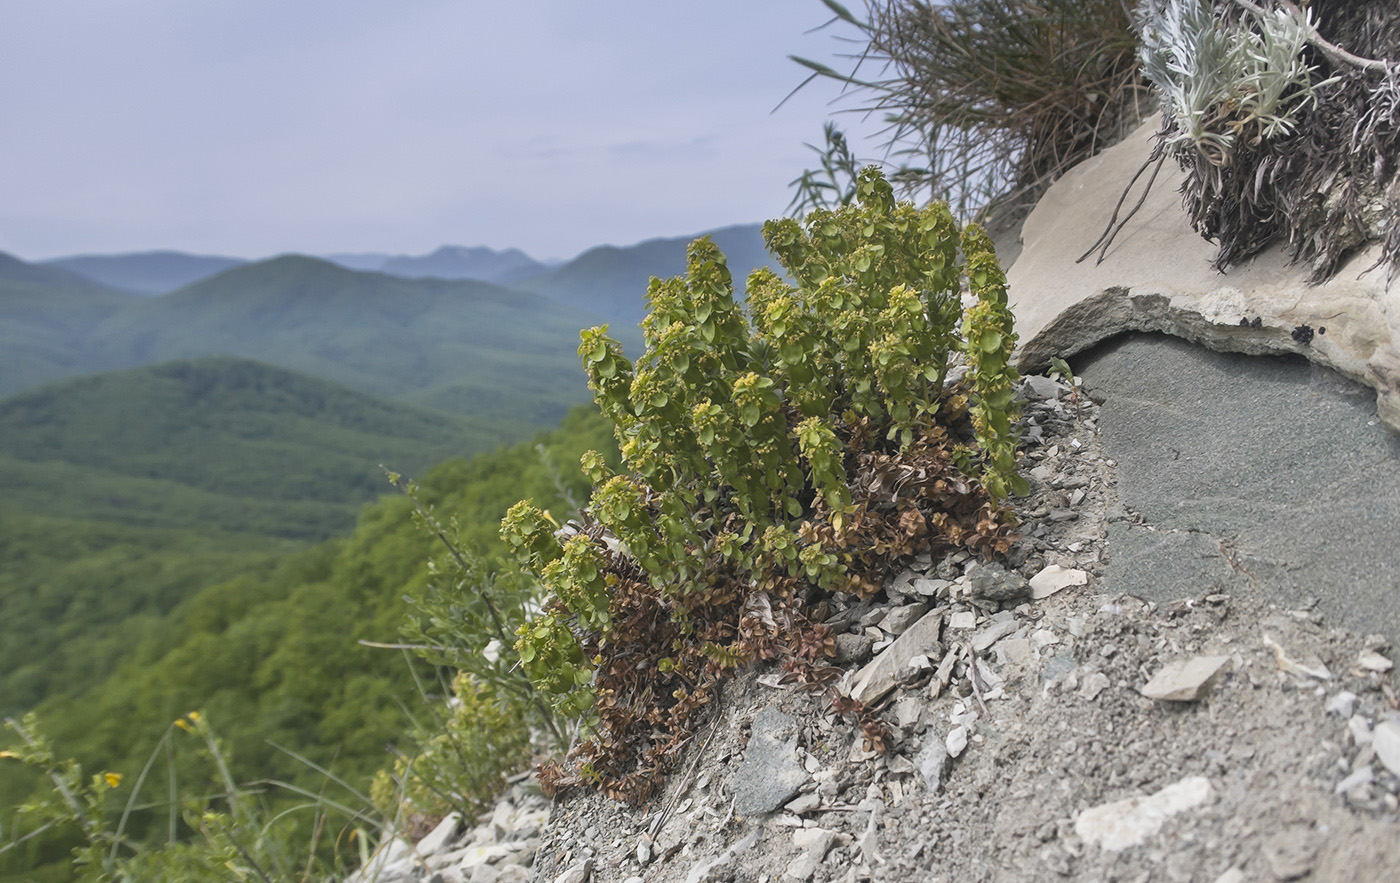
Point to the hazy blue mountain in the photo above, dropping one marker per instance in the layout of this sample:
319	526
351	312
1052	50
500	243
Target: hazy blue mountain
467	346
360	260
612	281
461	262
228	444
47	315
150	272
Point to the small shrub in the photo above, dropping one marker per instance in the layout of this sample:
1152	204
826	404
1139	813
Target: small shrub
466	616
806	447
461	762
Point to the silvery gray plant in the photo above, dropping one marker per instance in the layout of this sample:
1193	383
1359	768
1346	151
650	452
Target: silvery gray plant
1222	77
1284	117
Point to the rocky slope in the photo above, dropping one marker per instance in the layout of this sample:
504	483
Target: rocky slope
1045	726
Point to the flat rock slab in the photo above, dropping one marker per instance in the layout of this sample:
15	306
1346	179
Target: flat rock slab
880	675
771	774
1054	578
1157	277
1251	474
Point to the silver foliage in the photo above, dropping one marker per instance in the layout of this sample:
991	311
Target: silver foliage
1224	77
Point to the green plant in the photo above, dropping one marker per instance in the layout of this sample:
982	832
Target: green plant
835	185
1226	77
987	330
467	616
988	101
805	448
1061	367
232	836
461	762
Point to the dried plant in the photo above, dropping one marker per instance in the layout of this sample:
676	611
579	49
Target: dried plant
988	101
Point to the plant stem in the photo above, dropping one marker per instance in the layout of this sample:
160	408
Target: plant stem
1331	50
89	828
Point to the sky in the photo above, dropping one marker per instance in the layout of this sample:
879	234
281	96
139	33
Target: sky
255	127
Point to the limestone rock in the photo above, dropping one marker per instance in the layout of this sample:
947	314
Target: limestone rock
853	647
579	873
814	842
1385	739
438	839
1127	823
1157	277
993	633
963	620
932	762
899	619
956	741
1373	661
1054	578
1343	704
1035	386
993	582
1185	680
1094	684
771	774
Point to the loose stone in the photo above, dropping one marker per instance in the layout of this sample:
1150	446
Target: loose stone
1185	680
1055	578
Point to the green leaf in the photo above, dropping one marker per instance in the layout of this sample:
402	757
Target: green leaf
998	399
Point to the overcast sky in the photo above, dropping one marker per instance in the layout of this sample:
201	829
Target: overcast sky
254	127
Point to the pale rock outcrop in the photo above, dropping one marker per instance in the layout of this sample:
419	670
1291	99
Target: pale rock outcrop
1157	276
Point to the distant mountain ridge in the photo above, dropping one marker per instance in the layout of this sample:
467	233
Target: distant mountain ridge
47	317
17	271
160	272
150	272
502	352
501	355
461	262
447	262
611	281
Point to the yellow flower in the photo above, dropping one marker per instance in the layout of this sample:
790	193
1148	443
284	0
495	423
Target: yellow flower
112	779
8	754
189	721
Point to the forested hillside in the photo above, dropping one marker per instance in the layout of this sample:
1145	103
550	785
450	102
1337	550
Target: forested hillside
270	655
176	469
252	437
611	281
482	350
150	272
46	313
127	493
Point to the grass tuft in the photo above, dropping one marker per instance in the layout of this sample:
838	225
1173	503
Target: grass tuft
989	101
